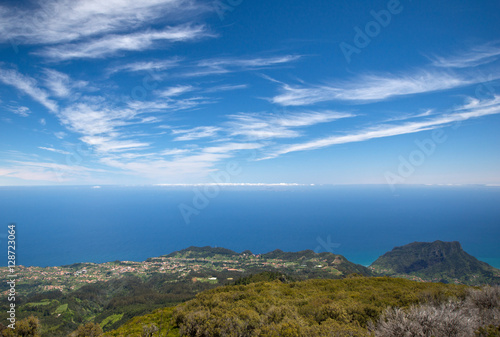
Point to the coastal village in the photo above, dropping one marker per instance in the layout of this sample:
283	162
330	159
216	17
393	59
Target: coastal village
212	265
197	269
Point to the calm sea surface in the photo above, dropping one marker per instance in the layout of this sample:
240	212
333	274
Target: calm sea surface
64	225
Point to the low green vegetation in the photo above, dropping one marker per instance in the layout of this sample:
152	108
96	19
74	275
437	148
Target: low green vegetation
159	321
109	303
111	319
36	304
270	304
307	308
356	306
62	308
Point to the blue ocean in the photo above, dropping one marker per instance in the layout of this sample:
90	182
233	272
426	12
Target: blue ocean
65	225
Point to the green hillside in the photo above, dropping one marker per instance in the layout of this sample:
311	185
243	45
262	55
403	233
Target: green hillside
351	307
305	308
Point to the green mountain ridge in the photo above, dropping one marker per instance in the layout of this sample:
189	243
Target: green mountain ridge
436	261
206	251
305	259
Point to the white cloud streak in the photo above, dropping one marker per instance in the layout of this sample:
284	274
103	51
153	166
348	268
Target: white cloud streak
46	171
62	21
149	66
173	152
474	109
478	55
371	88
106	144
255	126
112	44
195	133
22	111
101	126
175	91
60	84
220	88
168	104
51	149
193	166
219	66
27	85
252	63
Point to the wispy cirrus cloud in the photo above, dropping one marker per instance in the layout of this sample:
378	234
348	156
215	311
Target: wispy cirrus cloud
474	57
403	117
181	68
369	88
190	164
220	88
22	111
196	160
106	143
175	91
259	126
171	93
174	152
112	44
168	104
27	85
51	149
202	159
94	119
217	66
62	21
102	126
231	147
252	63
46	171
195	133
473	109
60	84
156	66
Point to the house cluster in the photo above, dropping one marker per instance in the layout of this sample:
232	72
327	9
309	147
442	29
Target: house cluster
80	272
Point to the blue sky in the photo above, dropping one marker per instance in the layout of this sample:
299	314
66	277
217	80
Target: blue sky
237	91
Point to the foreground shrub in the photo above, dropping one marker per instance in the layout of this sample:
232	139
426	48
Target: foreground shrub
88	330
27	327
460	318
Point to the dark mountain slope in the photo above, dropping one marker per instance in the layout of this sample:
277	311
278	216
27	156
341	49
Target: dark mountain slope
436	261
